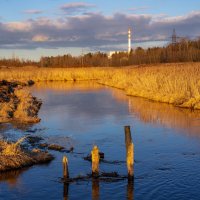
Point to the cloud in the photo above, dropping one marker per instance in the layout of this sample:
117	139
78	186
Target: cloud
76	7
95	30
18	26
33	12
40	38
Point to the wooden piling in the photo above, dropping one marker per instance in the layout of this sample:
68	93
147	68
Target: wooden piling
129	152
95	161
128	138
65	168
130	161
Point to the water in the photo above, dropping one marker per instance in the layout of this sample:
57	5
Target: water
166	139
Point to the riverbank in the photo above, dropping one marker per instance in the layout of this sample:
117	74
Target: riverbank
16	103
177	84
13	156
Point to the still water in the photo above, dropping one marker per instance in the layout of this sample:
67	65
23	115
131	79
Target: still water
166	139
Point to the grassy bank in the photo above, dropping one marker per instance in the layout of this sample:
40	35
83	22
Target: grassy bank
177	84
13	156
16	103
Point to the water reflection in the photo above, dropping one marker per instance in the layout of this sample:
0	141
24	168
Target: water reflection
95	189
77	103
146	111
14	125
65	191
68	86
130	190
12	177
163	114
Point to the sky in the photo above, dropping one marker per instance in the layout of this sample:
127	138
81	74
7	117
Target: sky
30	29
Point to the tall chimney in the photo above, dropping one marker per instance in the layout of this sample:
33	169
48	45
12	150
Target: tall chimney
129	41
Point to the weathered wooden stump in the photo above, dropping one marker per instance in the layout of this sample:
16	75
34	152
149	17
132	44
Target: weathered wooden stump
129	153
128	138
65	168
130	161
95	161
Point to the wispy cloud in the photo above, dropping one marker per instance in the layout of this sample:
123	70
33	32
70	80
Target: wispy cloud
33	12
76	7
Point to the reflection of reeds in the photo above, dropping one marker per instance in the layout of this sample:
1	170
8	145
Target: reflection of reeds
11	177
164	114
178	84
67	85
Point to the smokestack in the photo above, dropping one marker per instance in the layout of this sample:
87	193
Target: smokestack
129	41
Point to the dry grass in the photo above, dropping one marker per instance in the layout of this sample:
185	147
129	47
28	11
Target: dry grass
23	108
12	156
177	84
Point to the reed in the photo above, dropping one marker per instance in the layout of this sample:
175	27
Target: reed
13	156
177	84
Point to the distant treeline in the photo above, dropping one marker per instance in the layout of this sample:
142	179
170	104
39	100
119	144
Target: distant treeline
16	62
183	51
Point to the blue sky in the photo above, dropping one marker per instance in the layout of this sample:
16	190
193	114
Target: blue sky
32	28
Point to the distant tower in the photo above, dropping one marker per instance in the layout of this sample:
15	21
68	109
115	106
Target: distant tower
174	37
129	40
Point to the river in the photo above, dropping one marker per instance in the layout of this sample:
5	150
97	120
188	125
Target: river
166	140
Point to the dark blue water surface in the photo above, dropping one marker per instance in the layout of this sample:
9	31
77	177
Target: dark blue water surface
166	139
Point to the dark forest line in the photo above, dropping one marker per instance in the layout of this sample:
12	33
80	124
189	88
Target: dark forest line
183	51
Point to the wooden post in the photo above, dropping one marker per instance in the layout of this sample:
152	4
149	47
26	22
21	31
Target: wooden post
130	161
95	161
129	152
65	168
128	138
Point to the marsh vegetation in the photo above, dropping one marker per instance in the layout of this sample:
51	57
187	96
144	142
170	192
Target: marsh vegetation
177	84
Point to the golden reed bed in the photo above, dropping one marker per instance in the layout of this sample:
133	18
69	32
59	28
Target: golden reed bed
177	84
12	156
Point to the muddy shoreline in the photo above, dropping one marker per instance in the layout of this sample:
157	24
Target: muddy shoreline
17	104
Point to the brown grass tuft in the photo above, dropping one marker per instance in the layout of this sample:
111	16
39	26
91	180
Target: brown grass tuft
12	156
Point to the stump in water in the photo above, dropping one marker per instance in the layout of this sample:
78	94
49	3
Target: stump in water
130	161
65	168
129	152
128	138
95	161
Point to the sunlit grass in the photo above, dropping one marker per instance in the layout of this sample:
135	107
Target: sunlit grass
178	84
13	156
